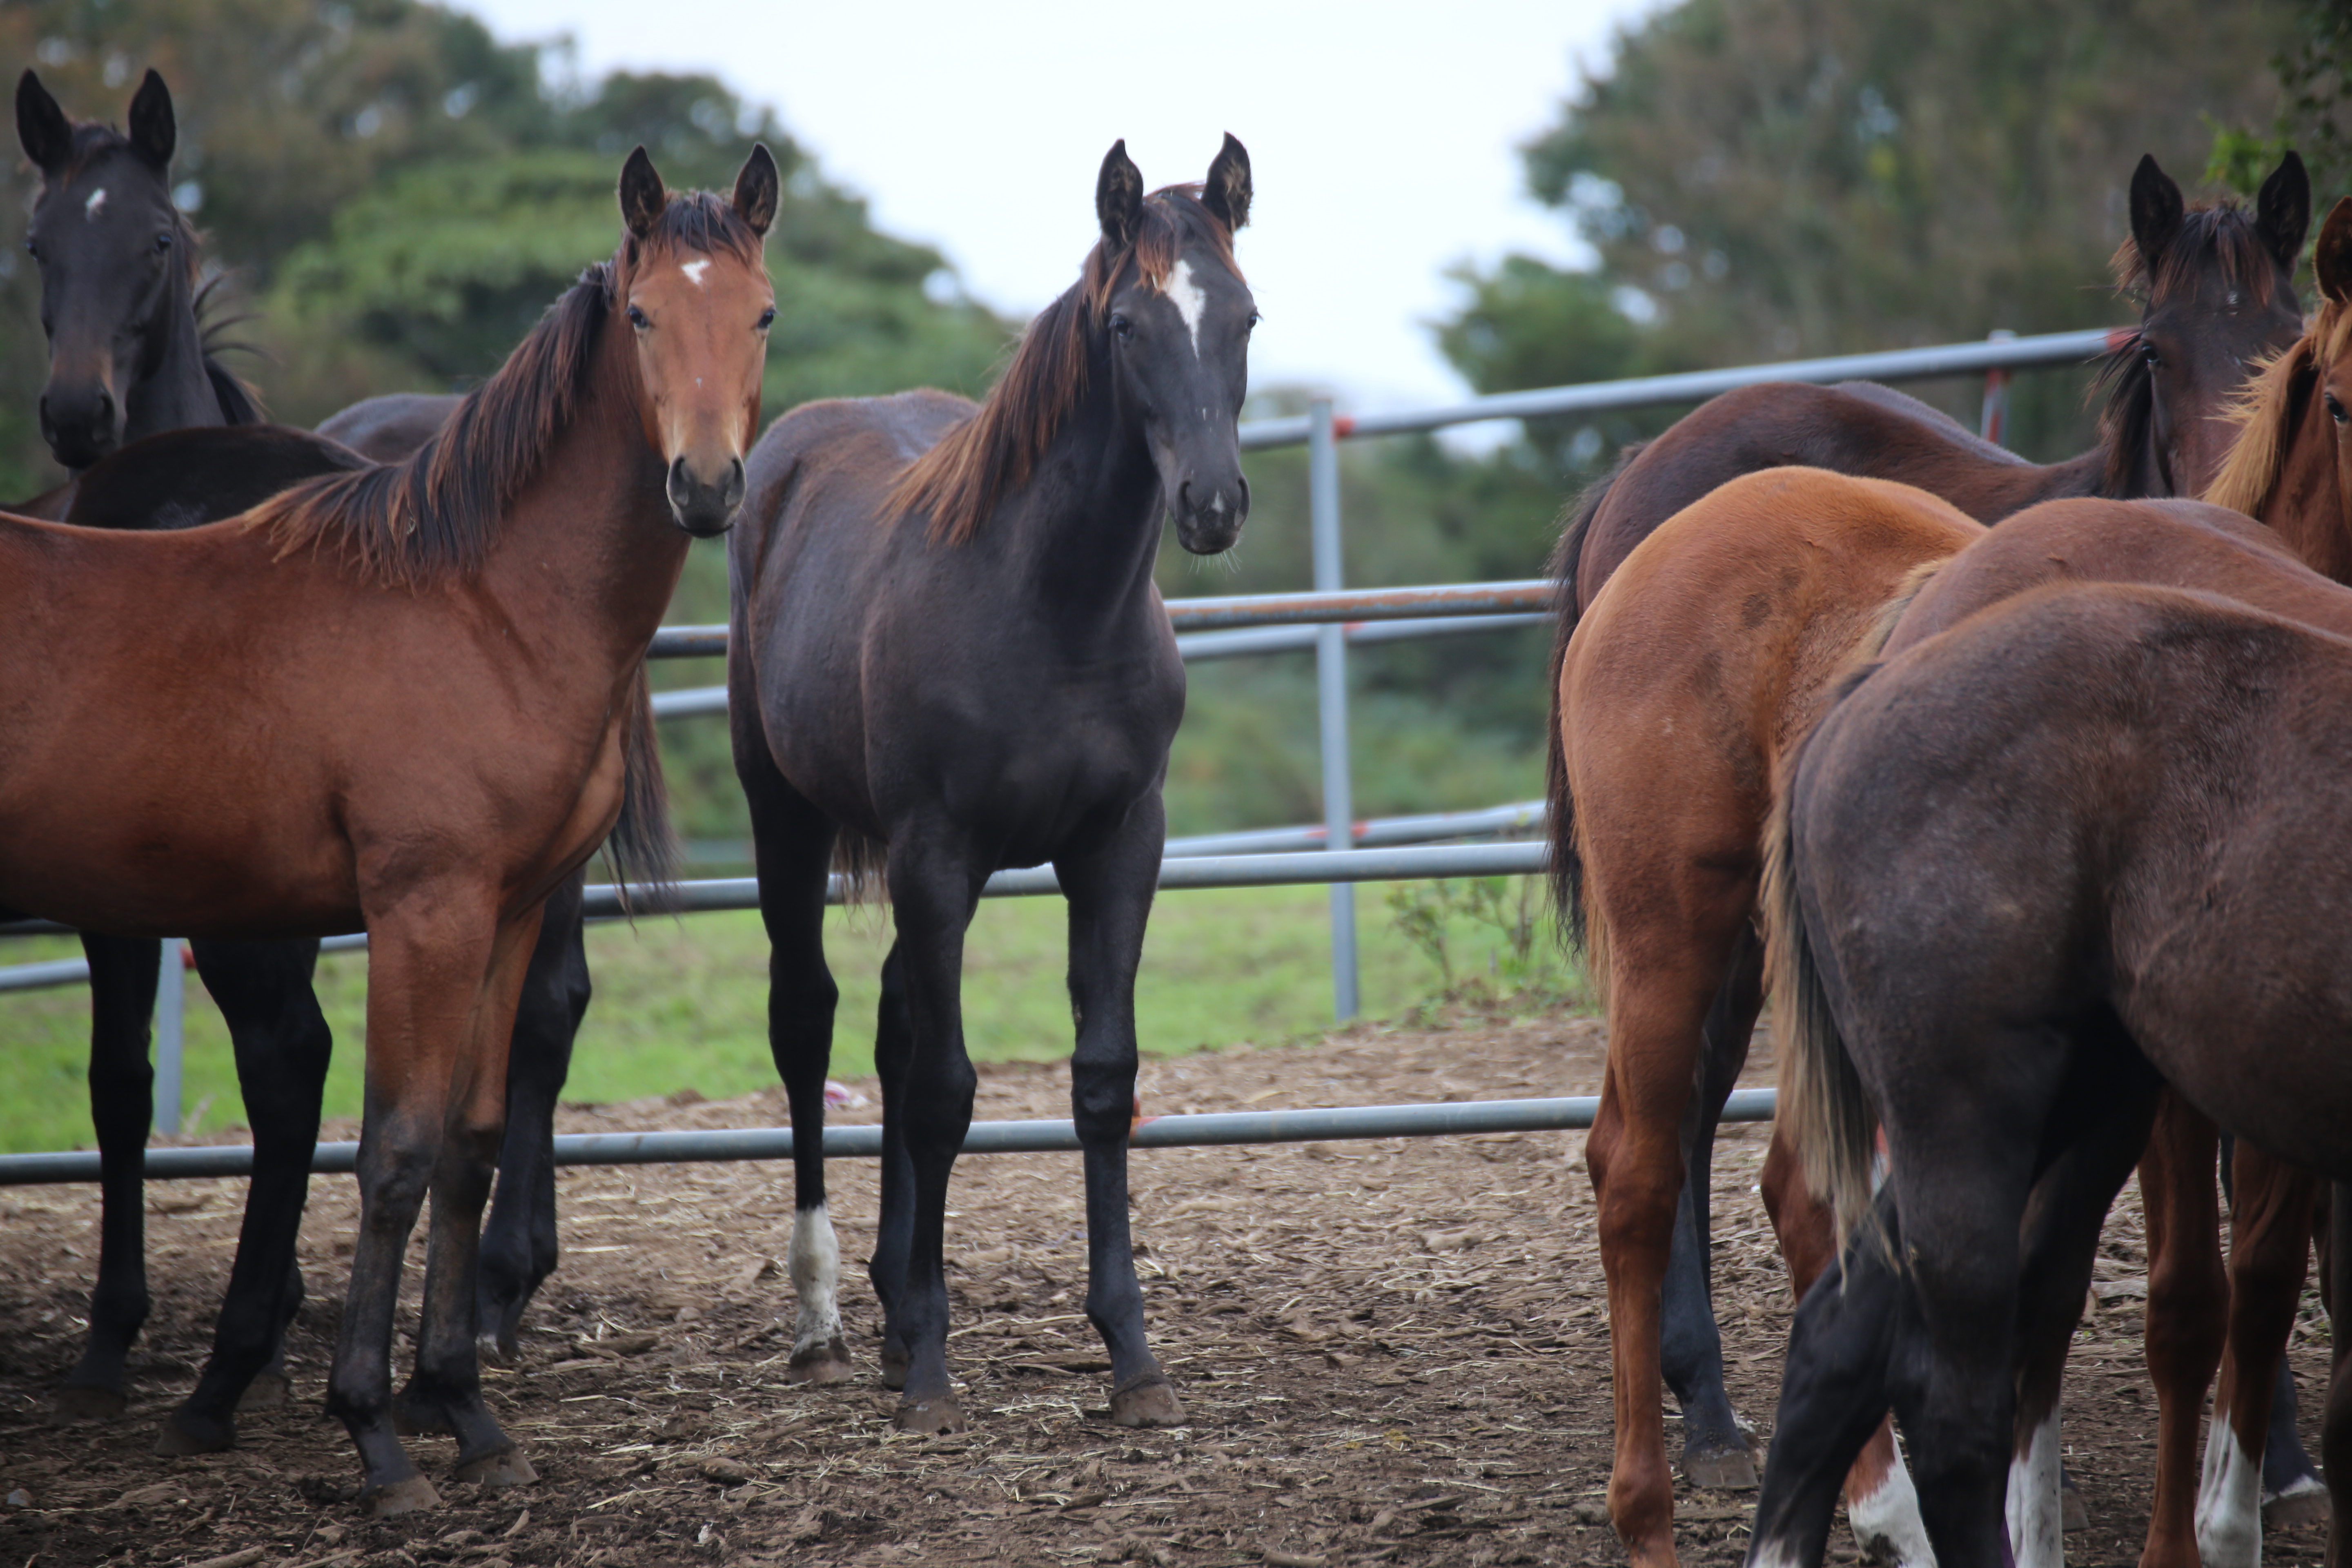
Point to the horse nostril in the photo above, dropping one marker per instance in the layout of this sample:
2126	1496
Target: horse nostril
105	405
1185	499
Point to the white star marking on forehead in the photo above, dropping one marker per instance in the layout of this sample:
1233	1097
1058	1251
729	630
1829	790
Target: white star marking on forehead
89	209
695	270
1189	301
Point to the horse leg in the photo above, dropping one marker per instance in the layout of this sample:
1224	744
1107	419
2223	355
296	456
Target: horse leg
426	993
1834	1389
2293	1492
519	1246
1882	1506
1665	974
894	1231
1109	893
1716	1448
122	1109
932	894
283	1046
444	1392
2268	1252
2336	1425
2188	1303
792	845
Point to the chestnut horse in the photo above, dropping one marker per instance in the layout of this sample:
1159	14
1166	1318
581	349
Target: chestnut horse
494	593
945	641
1672	941
2085	843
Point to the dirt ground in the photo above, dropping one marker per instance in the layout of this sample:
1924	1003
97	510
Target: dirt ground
1389	1351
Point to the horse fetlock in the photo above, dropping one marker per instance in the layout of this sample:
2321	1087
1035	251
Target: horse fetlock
1885	1520
2229	1503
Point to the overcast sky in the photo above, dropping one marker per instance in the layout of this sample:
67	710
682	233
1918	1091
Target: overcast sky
1384	138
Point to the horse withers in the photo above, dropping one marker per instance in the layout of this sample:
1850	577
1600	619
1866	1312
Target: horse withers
497	592
947	656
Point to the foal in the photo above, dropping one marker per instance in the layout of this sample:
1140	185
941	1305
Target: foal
946	646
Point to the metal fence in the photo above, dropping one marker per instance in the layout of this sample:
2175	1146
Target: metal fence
1328	620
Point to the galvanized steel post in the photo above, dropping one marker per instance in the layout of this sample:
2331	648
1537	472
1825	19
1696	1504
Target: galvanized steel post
1331	695
171	998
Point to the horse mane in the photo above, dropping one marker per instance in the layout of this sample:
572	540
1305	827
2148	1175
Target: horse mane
2268	407
960	479
2213	237
436	512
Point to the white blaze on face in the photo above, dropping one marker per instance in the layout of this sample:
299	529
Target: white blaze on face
695	270
2229	1500
96	204
1189	302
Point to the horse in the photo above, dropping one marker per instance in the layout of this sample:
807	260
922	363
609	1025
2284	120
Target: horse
497	590
389	427
119	266
2080	845
946	656
1683	977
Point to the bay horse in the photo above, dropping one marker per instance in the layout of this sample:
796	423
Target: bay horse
131	365
1672	943
946	656
496	593
2081	844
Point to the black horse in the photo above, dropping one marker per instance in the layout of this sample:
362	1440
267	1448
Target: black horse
947	656
121	303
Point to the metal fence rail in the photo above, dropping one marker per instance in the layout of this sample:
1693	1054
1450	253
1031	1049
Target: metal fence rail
1211	1130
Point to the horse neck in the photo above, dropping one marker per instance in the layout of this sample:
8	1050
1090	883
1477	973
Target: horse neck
1084	532
175	391
588	555
2306	505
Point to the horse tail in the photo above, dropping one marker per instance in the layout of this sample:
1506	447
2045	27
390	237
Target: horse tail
1824	1109
1560	814
862	862
642	845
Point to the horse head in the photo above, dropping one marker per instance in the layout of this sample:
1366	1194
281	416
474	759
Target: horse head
1179	329
2219	301
691	282
117	261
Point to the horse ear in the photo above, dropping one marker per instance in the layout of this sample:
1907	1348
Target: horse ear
153	130
2282	212
643	196
2331	260
1118	196
756	189
2156	211
42	126
1227	193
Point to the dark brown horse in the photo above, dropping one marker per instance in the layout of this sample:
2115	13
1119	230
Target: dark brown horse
1663	879
494	592
945	644
2087	842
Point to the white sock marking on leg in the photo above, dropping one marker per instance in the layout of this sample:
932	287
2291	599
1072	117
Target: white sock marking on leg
2037	1521
1889	1520
2229	1501
814	1261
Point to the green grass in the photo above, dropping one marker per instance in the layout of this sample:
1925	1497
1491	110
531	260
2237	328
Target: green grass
682	1003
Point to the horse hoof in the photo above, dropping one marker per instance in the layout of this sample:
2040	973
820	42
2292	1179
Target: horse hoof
828	1363
1733	1471
177	1440
1150	1400
76	1403
2307	1504
268	1391
506	1468
940	1414
894	1368
411	1495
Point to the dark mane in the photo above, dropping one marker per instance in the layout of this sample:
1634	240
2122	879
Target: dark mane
960	479
2222	237
437	513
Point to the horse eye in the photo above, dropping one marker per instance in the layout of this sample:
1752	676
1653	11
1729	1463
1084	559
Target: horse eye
162	242
2335	409
767	318
1254	320
33	249
1122	327
2150	355
638	319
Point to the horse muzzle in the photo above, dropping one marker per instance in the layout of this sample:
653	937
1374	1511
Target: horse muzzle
81	424
705	505
1209	517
